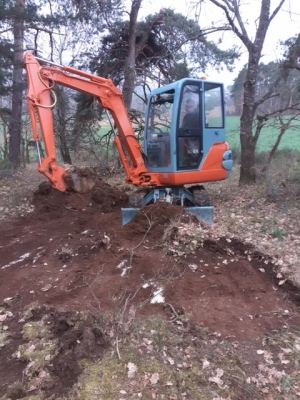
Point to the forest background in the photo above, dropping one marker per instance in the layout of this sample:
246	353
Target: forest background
141	51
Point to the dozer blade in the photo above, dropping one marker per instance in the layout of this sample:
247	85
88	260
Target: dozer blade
128	214
205	214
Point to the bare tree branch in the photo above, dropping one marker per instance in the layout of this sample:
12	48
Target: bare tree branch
242	34
276	10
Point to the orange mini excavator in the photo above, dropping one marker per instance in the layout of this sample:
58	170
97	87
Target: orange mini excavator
184	137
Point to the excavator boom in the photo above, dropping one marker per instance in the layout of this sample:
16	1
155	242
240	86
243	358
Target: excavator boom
41	81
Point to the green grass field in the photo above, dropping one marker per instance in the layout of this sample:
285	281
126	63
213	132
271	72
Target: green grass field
268	136
267	139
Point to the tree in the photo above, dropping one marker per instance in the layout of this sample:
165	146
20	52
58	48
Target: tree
5	78
292	53
278	97
129	70
67	39
237	91
16	114
232	11
278	88
62	115
166	46
16	17
154	51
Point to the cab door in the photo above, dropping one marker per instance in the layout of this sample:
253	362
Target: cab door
189	136
213	115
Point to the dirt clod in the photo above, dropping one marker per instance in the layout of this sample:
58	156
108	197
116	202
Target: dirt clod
16	391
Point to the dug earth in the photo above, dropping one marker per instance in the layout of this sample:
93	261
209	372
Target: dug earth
71	255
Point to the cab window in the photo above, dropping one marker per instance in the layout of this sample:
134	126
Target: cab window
213	104
158	130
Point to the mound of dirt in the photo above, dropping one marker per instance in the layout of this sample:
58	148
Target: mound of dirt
101	198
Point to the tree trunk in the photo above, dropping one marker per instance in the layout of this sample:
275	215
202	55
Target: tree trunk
16	114
64	151
248	141
63	146
61	125
129	72
135	49
247	169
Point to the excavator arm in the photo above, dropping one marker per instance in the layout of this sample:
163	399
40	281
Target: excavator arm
41	99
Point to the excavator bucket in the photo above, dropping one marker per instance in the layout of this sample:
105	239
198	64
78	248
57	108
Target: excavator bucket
80	180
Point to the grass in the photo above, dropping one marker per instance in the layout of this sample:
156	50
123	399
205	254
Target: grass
278	233
166	362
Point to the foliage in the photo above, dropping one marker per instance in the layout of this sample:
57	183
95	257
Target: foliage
278	233
292	53
175	48
18	21
5	71
284	98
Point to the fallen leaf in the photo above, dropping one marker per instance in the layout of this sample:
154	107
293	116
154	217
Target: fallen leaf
217	379
31	364
286	351
269	397
268	357
206	363
47	287
131	370
282	359
171	361
154	378
282	282
30	349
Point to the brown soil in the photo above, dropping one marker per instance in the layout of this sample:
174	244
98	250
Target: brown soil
72	254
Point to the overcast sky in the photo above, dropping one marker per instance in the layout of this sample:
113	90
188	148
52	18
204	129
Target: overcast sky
286	24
